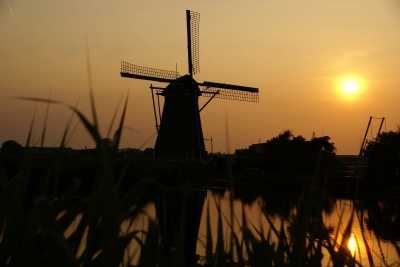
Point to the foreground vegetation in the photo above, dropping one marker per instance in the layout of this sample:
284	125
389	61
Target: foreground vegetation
43	227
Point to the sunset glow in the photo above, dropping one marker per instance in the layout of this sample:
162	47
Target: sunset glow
350	86
315	72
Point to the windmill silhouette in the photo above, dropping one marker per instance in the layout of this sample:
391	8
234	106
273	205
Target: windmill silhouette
180	136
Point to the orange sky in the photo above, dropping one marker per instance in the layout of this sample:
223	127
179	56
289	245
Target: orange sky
295	52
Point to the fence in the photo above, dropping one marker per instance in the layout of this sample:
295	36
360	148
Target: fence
350	171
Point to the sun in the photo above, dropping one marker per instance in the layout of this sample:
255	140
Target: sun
350	86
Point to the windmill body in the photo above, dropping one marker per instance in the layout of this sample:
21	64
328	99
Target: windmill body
180	136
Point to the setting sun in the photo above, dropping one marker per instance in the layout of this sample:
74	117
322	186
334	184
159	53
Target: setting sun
350	86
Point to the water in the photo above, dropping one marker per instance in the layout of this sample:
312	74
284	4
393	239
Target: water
375	226
366	234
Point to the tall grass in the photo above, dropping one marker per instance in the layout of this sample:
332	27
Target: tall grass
33	227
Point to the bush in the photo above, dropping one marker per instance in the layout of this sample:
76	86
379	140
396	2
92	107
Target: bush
11	148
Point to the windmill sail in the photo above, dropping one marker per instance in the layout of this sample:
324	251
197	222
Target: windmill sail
229	91
193	22
180	135
138	72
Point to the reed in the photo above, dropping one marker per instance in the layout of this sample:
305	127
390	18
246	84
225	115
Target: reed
34	225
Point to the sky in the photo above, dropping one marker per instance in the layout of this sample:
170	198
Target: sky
298	53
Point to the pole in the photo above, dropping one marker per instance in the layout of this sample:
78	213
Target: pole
380	127
365	136
154	106
362	149
159	110
209	100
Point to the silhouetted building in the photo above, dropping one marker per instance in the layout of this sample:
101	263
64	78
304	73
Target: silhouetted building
258	148
51	152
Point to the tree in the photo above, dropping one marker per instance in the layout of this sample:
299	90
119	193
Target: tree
390	139
383	155
294	153
11	148
320	148
281	151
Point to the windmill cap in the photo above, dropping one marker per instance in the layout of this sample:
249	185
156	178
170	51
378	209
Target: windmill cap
184	85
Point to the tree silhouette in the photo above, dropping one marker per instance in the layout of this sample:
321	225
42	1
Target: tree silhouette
282	151
11	148
294	153
384	158
390	139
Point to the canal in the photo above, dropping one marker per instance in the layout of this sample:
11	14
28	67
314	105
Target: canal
274	218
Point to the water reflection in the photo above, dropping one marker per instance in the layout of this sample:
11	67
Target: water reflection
383	217
178	215
374	224
352	244
370	239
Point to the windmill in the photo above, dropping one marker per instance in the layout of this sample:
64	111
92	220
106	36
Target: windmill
180	136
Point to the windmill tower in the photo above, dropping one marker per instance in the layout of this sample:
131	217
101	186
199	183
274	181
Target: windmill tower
180	136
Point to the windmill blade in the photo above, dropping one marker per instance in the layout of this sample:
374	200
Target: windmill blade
193	22
138	72
229	91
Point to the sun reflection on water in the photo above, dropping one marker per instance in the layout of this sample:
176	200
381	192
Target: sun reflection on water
352	244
